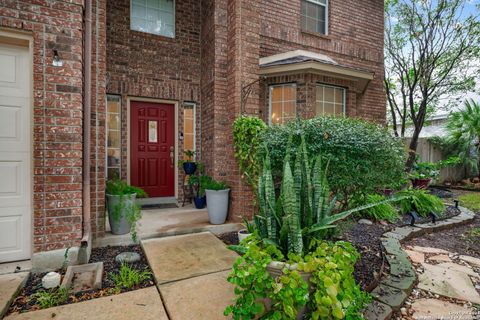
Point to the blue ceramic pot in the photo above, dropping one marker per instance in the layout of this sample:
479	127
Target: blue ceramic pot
189	167
200	202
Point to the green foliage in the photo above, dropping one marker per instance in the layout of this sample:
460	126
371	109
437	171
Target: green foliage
384	211
362	156
52	297
119	187
198	184
249	226
129	277
304	209
334	293
464	132
420	201
189	154
431	170
247	131
211	184
470	201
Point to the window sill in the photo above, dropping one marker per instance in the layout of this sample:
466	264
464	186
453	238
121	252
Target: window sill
316	34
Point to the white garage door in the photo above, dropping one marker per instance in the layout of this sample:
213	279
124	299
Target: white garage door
15	153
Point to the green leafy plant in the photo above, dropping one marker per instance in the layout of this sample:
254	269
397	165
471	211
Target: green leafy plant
211	184
189	156
198	184
471	201
362	156
249	226
51	298
126	207
384	211
129	277
247	132
420	201
304	209
431	170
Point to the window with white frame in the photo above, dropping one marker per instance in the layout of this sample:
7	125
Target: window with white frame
153	16
113	126
315	16
330	100
283	103
189	127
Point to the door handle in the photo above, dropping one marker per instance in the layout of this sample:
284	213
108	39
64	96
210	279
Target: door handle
172	155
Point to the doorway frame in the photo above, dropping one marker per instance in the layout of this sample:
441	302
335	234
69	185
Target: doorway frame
25	39
175	104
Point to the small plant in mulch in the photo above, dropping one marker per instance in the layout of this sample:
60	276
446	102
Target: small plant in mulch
129	277
52	297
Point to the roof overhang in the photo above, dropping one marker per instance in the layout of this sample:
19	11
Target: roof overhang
300	61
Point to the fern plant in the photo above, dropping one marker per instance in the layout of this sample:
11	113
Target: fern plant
304	208
420	201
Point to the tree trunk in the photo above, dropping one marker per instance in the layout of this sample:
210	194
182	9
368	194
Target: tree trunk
412	149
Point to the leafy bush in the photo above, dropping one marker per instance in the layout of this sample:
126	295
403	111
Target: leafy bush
52	298
384	211
431	170
129	277
119	187
361	156
471	201
421	201
211	184
198	184
335	294
247	131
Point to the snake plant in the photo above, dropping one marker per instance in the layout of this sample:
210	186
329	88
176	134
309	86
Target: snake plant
304	206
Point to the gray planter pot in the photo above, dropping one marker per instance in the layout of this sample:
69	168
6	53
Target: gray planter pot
217	205
119	209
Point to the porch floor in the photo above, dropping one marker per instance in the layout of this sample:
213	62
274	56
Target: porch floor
157	223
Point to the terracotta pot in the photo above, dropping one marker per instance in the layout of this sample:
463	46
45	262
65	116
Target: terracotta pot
420	183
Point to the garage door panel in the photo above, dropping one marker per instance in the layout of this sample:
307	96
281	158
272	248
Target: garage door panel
15	72
13	233
14	124
15	154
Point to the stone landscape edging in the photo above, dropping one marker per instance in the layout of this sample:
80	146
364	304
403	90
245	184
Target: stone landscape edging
393	290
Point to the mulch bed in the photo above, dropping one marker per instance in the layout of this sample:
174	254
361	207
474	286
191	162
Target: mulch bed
26	302
455	240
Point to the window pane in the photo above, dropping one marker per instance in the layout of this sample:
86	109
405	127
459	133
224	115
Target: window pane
113	121
289	110
328	108
338	95
319	93
314	16
276	112
328	94
153	16
277	94
113	139
188	142
319	108
339	109
188	127
289	93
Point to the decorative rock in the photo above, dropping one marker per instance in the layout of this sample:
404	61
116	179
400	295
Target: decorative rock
405	283
415	256
471	260
51	280
377	311
429	250
403	311
128	257
390	296
365	221
437	309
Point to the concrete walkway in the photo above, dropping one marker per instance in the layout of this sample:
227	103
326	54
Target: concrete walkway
190	272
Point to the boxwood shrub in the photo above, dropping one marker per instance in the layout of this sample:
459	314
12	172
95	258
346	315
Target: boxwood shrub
361	157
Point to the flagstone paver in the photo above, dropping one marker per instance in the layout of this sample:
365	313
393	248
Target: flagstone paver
448	282
416	257
182	257
471	260
429	250
438	309
440	258
144	304
10	284
203	297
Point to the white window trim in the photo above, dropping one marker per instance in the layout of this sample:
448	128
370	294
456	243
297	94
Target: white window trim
107	129
270	88
326	5
194	107
344	94
160	35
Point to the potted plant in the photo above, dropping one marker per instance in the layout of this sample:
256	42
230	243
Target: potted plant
247	231
123	211
287	269
189	166
198	185
217	201
423	173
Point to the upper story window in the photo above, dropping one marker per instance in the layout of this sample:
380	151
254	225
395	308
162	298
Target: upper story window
283	103
330	100
153	16
315	16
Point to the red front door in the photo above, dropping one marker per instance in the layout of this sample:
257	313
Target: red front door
152	148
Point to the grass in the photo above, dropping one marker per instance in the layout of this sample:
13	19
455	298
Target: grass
52	298
128	277
470	201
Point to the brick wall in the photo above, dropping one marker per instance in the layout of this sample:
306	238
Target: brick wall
152	66
57	128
